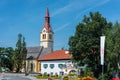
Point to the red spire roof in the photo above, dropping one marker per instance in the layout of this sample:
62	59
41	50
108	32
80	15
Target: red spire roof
57	55
47	21
47	13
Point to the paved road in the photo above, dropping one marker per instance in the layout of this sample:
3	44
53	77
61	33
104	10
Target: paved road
18	76
5	77
13	77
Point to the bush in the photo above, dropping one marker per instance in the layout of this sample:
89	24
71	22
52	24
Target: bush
40	74
85	78
105	76
71	74
88	71
65	78
46	76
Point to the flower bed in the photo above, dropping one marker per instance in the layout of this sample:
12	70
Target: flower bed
46	76
85	78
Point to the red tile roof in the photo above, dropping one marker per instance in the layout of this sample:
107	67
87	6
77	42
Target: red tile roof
57	55
47	21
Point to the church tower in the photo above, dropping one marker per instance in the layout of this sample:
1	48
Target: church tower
46	35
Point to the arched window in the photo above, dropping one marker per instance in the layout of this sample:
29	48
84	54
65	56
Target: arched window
51	66
45	65
44	36
60	66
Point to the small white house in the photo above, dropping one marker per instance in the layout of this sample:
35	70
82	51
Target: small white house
57	62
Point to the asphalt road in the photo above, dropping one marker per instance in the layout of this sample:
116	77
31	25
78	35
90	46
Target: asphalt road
12	77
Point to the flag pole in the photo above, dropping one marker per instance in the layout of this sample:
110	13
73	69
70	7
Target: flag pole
102	45
102	72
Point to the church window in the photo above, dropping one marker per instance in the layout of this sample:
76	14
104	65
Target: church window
50	36
44	36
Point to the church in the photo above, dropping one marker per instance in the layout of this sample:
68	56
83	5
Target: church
42	59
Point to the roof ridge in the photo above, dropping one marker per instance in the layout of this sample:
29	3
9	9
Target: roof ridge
40	52
58	54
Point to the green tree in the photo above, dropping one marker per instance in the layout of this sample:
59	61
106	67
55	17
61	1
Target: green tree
9	54
20	53
85	44
115	54
1	56
6	57
112	53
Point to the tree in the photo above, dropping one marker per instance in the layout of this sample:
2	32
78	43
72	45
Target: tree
1	57
115	55
20	53
9	54
6	57
85	44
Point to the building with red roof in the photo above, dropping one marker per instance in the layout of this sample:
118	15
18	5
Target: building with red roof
57	62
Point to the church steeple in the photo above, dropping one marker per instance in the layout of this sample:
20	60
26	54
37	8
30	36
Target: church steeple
47	13
47	21
46	35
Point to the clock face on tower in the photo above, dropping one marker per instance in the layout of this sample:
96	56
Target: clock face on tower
44	31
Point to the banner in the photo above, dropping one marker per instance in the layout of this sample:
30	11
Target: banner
102	45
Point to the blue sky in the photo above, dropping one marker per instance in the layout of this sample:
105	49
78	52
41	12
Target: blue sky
27	17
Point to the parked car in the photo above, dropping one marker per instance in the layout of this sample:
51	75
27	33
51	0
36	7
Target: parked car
116	76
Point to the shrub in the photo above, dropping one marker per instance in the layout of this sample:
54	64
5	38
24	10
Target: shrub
105	76
88	71
65	78
85	78
40	74
71	74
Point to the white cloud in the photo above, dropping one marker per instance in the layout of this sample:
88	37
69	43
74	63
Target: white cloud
93	6
6	43
79	5
69	7
61	27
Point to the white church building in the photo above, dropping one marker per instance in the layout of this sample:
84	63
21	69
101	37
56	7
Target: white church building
43	59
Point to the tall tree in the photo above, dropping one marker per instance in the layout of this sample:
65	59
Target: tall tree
116	46
20	53
24	52
85	44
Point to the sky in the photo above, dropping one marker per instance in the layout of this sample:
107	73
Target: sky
27	17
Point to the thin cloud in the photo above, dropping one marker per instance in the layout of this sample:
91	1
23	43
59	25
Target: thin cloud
61	27
92	7
68	7
6	43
